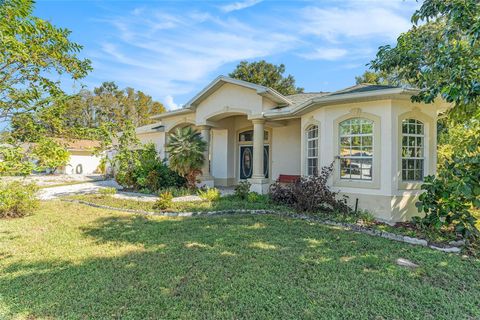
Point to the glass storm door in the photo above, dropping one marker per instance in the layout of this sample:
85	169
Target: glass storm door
246	161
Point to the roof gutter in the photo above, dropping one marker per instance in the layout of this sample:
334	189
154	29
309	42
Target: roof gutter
171	113
274	95
328	99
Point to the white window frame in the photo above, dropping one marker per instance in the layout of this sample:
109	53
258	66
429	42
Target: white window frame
416	159
350	135
310	128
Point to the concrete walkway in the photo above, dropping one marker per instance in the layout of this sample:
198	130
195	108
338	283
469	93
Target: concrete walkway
93	187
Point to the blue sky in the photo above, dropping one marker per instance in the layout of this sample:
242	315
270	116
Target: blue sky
172	49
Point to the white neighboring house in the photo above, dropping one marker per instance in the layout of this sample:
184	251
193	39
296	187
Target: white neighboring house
82	161
382	143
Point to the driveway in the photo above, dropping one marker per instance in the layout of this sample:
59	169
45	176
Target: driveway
81	188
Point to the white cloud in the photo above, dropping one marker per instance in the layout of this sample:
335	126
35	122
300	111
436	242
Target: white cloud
171	62
357	21
174	53
239	5
169	103
325	54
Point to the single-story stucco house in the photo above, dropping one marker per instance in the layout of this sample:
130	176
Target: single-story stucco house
382	143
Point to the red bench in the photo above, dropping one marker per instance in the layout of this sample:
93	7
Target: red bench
288	178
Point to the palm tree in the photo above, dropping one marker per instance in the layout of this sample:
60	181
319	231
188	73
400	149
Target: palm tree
185	153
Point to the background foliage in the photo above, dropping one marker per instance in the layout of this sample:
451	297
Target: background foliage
32	52
50	154
440	55
266	74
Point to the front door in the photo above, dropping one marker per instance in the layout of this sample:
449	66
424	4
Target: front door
246	161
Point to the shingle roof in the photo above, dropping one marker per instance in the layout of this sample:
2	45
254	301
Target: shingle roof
300	98
363	87
154	127
79	144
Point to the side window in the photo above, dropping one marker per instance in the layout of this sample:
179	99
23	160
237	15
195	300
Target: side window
413	144
312	150
356	149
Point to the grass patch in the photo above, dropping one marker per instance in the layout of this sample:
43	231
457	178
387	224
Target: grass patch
231	202
228	202
72	261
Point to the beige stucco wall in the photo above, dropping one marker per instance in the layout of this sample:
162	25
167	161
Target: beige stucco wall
286	149
229	98
219	155
389	198
328	145
157	138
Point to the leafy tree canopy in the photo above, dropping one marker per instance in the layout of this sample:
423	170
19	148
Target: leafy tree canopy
31	50
266	74
50	154
15	161
440	54
84	114
380	78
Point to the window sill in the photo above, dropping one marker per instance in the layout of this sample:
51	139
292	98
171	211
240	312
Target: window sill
356	184
410	185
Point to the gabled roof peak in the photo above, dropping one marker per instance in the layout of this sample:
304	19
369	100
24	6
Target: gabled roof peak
221	80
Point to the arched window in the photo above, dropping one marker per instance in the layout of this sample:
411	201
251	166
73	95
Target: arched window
356	149
413	143
312	150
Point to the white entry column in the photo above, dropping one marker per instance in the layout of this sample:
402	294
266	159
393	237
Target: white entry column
258	182
206	178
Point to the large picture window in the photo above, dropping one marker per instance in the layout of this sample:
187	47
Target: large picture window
312	150
413	141
356	149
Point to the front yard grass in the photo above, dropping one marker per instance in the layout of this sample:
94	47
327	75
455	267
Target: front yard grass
231	202
72	261
228	202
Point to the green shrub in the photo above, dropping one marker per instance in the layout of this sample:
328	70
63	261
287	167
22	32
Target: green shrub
451	196
253	197
367	217
107	191
242	189
17	199
209	194
144	171
164	201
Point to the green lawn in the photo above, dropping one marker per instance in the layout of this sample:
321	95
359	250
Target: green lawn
224	203
72	261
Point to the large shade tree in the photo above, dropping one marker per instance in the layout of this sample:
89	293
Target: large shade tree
440	55
185	150
34	54
84	114
266	74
